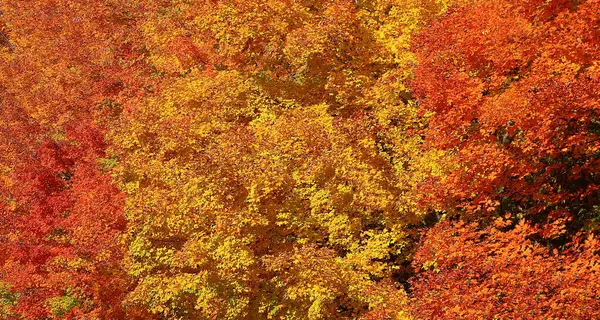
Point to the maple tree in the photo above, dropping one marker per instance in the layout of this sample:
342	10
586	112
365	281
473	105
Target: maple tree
511	91
499	271
61	216
511	86
269	176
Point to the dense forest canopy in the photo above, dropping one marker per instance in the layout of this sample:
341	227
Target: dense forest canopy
299	159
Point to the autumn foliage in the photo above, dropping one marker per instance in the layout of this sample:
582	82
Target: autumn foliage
513	87
299	159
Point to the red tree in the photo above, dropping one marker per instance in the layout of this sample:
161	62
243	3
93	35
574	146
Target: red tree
512	87
65	69
512	91
474	272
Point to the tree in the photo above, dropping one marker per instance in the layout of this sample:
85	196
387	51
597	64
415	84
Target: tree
61	217
509	89
499	271
269	176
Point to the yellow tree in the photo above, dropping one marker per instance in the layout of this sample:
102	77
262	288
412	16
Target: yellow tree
270	174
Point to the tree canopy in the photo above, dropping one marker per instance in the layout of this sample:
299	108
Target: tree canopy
299	159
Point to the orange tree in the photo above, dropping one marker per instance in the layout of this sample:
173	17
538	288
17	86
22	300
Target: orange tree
511	88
